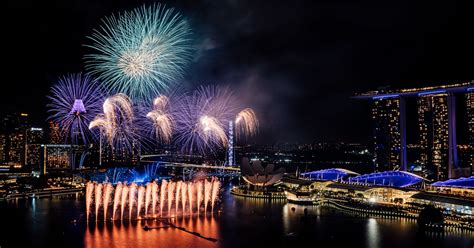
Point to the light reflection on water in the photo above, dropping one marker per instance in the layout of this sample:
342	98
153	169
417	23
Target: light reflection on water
133	234
243	222
372	233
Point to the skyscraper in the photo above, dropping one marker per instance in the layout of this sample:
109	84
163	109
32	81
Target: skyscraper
470	123
13	139
55	157
437	122
17	149
121	155
386	119
433	127
34	139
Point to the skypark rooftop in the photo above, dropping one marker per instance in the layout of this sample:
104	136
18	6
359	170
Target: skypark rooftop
413	92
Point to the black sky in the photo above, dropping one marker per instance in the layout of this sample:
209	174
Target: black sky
296	62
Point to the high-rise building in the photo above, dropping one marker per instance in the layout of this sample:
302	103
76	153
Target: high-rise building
23	123
34	139
55	157
386	118
437	122
433	128
13	139
121	155
17	149
3	148
470	122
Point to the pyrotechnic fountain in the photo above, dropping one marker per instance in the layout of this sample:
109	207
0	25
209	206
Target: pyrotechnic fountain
171	186
137	199
131	198
190	195
207	193
141	194
108	188
89	192
123	201
98	198
164	185
198	194
117	197
147	197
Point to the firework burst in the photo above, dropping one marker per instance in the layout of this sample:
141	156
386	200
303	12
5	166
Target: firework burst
75	100
246	122
140	52
116	123
162	120
200	119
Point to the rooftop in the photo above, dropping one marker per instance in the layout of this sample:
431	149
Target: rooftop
432	90
443	199
398	179
332	174
463	182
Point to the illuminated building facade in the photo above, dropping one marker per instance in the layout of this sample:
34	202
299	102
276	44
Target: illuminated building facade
470	118
120	155
34	138
16	150
3	155
386	119
13	129
433	138
55	157
437	127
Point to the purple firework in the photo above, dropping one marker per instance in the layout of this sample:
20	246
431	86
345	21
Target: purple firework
201	119
155	118
75	100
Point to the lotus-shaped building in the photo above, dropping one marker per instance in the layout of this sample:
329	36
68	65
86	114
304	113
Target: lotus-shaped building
255	174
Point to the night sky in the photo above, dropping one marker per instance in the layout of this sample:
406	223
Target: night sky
296	62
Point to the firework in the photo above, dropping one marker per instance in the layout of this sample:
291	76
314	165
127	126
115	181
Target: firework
210	126
162	120
116	123
142	51
246	122
200	118
75	100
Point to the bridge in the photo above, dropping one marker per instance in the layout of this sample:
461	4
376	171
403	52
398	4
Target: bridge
201	166
191	169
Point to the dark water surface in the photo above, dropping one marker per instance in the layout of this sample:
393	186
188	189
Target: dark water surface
47	222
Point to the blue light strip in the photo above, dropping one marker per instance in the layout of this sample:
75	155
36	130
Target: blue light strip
388	178
385	96
470	89
431	92
463	182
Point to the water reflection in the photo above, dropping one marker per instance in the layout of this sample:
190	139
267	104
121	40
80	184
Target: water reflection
243	222
372	233
133	233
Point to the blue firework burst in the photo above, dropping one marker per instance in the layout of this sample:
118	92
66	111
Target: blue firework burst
140	52
75	100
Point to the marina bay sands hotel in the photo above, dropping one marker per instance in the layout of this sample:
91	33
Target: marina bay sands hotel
437	128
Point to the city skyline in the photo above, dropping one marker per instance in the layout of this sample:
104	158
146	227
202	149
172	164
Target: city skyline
258	66
237	124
